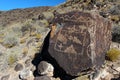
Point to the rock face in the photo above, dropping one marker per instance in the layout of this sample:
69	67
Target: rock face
79	41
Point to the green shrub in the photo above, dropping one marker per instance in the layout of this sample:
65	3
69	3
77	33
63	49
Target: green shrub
113	54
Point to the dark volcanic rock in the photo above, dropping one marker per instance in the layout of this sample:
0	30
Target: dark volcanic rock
79	41
42	78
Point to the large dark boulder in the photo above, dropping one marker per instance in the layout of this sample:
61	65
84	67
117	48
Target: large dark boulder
79	41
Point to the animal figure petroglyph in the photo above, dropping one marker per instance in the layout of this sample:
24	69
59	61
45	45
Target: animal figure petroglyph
62	39
70	49
76	40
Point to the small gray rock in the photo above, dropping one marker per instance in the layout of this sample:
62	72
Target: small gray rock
24	74
27	63
45	68
42	78
18	67
6	77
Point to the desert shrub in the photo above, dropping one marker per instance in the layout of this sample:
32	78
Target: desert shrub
115	18
1	34
10	41
39	44
26	25
43	23
38	36
113	54
25	51
1	31
48	16
32	34
23	40
27	28
17	31
11	59
1	37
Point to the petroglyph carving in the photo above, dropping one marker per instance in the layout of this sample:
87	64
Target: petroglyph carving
72	29
82	28
77	34
70	49
62	38
60	46
75	18
66	37
82	41
76	40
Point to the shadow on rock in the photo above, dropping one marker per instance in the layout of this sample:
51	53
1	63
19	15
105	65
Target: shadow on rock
45	56
116	38
116	78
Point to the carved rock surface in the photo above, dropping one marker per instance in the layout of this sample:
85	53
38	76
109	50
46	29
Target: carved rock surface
79	41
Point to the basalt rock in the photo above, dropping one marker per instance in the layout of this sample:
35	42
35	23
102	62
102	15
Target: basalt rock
79	40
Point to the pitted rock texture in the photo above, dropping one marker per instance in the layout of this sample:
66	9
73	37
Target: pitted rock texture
79	41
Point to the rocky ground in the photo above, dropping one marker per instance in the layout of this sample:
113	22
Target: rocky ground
23	35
